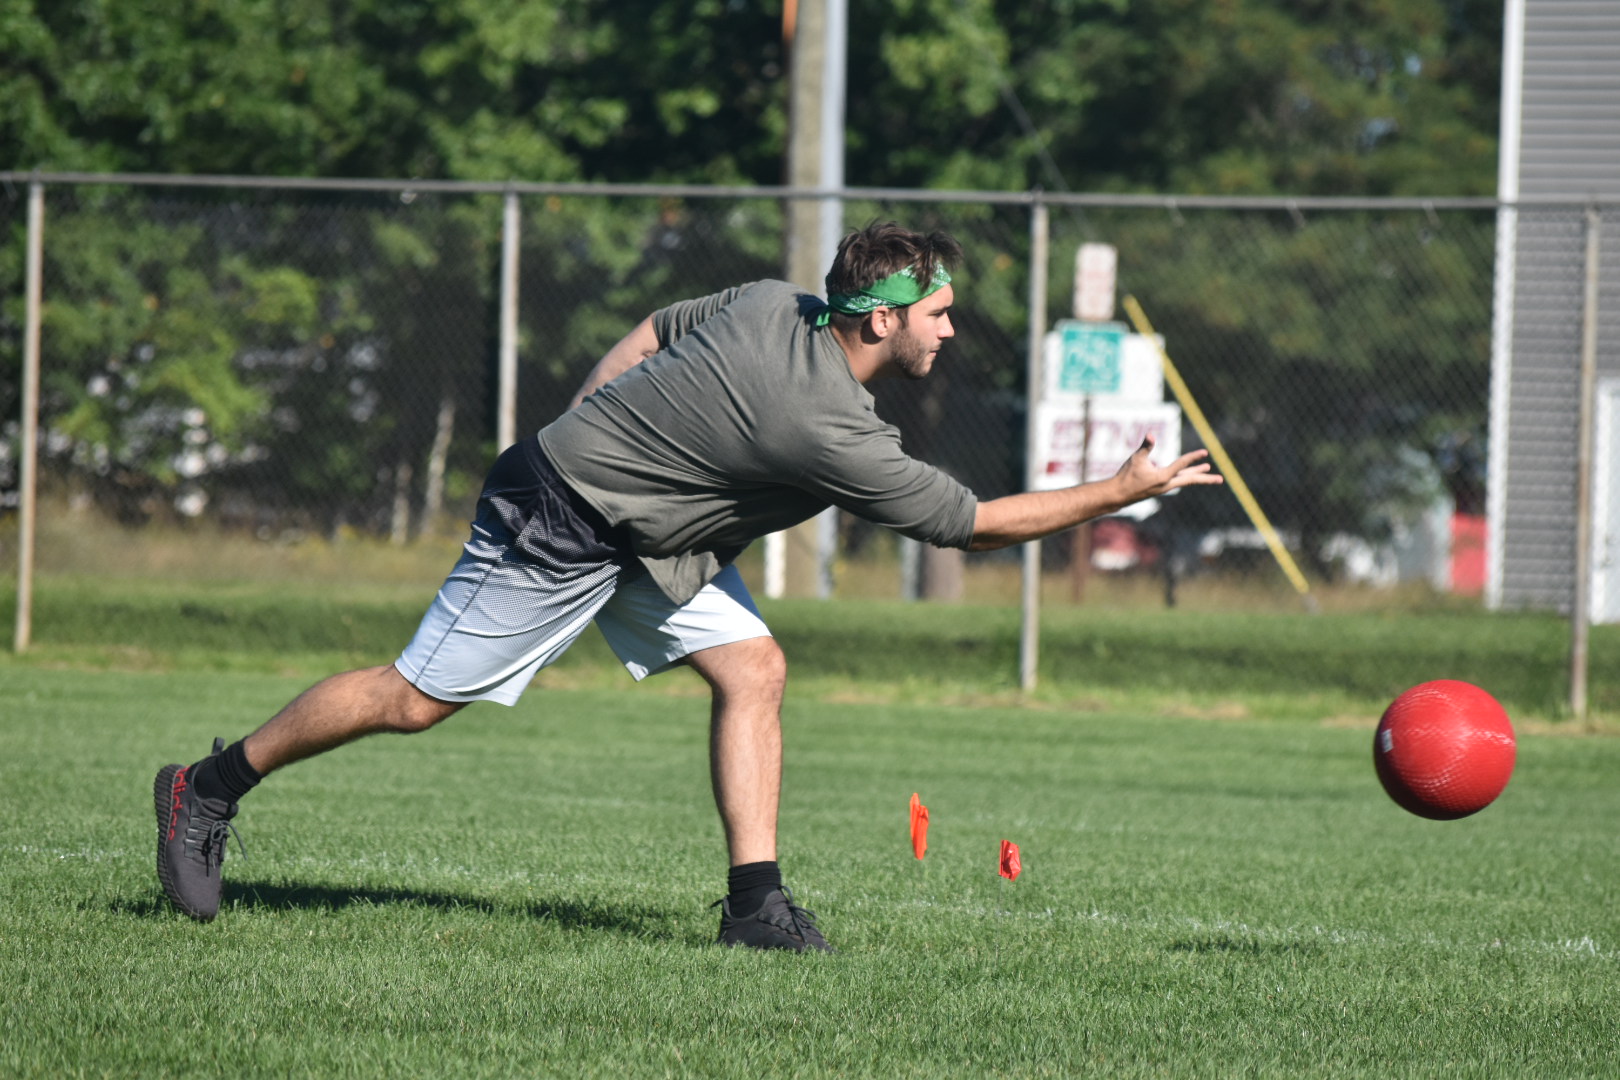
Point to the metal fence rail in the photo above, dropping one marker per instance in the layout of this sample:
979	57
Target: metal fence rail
305	357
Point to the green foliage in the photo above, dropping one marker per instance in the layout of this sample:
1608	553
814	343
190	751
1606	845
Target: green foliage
207	349
1252	96
144	382
1344	357
593	268
464	89
1248	96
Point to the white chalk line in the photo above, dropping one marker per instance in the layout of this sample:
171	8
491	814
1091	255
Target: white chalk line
1243	933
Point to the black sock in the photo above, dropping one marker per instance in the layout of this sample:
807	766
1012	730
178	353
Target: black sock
750	884
226	776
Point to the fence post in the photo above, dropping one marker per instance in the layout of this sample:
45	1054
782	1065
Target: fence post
1580	607
1029	637
506	407
28	479
910	568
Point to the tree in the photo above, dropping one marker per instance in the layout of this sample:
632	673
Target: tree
1256	97
1185	96
1323	348
321	406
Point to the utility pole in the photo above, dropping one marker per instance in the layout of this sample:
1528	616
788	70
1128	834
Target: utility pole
814	33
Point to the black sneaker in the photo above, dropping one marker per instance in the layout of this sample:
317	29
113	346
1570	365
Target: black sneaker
780	924
192	832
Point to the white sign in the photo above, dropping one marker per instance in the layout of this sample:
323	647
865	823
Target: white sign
1117	430
1094	271
1137	374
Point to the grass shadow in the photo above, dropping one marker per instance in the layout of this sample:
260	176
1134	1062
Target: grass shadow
631	920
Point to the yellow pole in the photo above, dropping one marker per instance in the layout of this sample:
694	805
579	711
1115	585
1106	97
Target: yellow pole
1257	516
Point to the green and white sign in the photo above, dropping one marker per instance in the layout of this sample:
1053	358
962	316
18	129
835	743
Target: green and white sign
1089	358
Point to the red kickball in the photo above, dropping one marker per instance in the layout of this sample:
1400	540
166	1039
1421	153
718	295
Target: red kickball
1444	749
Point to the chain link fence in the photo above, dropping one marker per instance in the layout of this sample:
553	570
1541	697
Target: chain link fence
1343	358
307	363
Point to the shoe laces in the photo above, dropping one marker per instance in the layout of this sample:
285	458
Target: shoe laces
791	917
211	835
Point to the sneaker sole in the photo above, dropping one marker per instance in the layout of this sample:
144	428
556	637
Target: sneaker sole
163	803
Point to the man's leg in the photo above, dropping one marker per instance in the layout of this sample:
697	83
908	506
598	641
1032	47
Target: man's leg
745	742
339	710
745	763
719	634
195	803
537	567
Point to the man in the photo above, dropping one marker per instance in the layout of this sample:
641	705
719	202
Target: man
713	422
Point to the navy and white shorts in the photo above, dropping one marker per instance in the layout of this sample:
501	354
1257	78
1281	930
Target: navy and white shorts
541	564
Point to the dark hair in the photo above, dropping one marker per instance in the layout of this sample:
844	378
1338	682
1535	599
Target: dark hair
869	255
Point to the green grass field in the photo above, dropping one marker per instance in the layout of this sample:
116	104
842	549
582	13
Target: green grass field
1214	882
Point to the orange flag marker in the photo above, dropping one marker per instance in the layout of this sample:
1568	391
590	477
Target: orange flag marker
919	826
1010	866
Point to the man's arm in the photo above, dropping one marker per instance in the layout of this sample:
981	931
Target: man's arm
1017	519
631	350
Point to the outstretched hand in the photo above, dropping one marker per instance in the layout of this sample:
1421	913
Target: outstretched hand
1140	479
1030	515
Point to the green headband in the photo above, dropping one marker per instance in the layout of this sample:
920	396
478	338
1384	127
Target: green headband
896	290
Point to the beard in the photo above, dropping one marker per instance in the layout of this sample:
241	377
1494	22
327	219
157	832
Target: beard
911	357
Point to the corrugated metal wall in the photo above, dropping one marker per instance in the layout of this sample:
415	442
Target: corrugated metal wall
1569	146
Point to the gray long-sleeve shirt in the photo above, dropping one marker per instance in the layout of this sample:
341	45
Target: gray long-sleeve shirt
746	421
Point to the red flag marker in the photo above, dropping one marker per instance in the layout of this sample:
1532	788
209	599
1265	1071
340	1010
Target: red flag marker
919	826
1010	867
